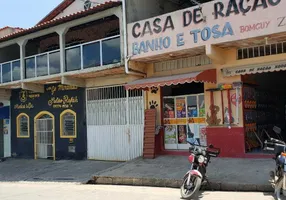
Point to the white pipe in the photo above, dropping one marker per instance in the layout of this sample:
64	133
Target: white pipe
126	57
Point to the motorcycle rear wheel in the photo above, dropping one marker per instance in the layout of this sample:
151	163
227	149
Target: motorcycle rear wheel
188	192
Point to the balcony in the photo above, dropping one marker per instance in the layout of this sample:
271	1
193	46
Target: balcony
78	57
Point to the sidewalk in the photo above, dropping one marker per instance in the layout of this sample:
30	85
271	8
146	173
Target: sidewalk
15	170
167	171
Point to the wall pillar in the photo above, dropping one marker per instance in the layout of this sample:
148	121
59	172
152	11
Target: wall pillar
22	45
62	33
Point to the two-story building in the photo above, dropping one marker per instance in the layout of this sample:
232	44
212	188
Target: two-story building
63	84
215	73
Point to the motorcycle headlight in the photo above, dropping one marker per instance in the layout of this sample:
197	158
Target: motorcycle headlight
201	159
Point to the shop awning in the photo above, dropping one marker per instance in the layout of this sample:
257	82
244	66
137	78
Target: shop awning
208	76
5	112
253	69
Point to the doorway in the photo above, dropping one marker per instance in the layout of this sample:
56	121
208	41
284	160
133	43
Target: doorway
44	136
184	115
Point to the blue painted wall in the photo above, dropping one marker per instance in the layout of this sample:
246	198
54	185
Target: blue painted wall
56	99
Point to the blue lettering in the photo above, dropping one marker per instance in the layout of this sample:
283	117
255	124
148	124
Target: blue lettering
195	33
206	33
142	47
161	44
216	32
180	39
150	45
167	42
227	30
135	48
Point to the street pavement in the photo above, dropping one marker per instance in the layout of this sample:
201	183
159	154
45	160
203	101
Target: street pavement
71	191
225	174
48	170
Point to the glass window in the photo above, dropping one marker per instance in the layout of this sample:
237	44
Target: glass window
68	124
55	63
169	108
192	106
16	70
91	55
111	51
42	65
30	67
202	112
181	107
23	126
6	73
73	60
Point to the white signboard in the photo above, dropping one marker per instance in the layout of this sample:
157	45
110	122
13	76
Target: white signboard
216	22
254	69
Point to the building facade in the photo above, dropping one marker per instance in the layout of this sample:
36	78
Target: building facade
64	79
214	73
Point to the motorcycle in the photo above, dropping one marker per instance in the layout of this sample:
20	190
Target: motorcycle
196	176
278	176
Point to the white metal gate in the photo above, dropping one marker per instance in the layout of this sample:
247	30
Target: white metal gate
44	137
115	123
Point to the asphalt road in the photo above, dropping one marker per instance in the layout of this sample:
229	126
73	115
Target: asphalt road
71	191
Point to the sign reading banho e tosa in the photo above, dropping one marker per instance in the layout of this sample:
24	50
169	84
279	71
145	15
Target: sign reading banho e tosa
215	22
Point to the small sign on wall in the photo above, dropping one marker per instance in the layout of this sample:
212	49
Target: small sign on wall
6	126
72	149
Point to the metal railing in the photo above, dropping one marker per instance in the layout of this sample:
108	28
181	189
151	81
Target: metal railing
10	71
78	57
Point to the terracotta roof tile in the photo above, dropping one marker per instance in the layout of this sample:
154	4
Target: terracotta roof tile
61	20
56	11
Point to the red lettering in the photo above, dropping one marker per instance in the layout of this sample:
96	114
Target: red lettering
254	27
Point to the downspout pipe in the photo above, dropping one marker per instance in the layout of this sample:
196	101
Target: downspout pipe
126	56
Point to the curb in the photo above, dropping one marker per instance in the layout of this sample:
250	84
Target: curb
175	183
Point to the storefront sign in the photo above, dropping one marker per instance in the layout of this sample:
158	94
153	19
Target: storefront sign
65	102
255	69
216	22
24	106
197	120
60	87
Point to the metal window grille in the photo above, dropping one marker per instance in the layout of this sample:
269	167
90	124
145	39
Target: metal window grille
260	51
182	63
23	123
113	105
68	124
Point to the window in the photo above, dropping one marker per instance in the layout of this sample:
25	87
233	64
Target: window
23	130
68	124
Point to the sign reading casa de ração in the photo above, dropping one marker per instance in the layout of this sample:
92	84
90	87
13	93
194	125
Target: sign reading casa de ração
213	22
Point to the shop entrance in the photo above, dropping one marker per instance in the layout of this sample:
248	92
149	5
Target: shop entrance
44	136
184	115
264	109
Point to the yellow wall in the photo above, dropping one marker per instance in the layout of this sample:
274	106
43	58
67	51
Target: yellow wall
229	61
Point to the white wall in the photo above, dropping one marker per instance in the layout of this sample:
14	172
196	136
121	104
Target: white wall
77	6
137	9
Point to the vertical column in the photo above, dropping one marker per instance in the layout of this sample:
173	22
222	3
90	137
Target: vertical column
62	35
22	45
119	14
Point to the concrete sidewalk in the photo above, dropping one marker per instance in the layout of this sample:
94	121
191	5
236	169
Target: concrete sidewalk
14	170
167	171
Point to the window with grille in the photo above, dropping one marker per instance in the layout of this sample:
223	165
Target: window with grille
260	51
68	124
23	130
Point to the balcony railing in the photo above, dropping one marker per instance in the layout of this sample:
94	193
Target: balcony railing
10	71
92	54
